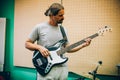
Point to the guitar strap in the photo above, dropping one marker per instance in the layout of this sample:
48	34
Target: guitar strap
63	33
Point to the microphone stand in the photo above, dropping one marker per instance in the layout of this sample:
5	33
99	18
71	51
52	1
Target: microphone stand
94	72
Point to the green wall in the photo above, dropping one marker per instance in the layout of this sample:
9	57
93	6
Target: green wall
16	73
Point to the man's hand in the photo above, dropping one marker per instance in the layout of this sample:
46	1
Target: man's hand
44	51
87	42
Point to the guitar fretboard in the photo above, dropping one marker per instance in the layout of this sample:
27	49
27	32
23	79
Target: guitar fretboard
63	50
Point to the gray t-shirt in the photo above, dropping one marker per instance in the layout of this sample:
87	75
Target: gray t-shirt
45	34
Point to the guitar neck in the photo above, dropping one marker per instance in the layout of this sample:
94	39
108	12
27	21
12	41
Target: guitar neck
78	43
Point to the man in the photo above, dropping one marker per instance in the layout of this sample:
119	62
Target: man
48	33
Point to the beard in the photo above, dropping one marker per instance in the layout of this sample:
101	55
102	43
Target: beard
60	21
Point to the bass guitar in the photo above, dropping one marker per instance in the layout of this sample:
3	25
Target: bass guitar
43	65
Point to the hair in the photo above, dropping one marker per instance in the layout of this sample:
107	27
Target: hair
53	9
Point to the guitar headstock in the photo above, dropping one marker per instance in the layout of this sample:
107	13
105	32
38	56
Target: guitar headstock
104	29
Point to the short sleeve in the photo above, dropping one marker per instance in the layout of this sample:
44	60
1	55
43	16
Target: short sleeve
34	34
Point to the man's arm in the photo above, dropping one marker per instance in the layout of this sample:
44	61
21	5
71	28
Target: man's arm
87	43
29	44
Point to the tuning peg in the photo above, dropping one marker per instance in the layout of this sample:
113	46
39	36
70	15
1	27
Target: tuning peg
106	26
110	29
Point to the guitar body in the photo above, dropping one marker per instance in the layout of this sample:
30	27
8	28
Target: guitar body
42	64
